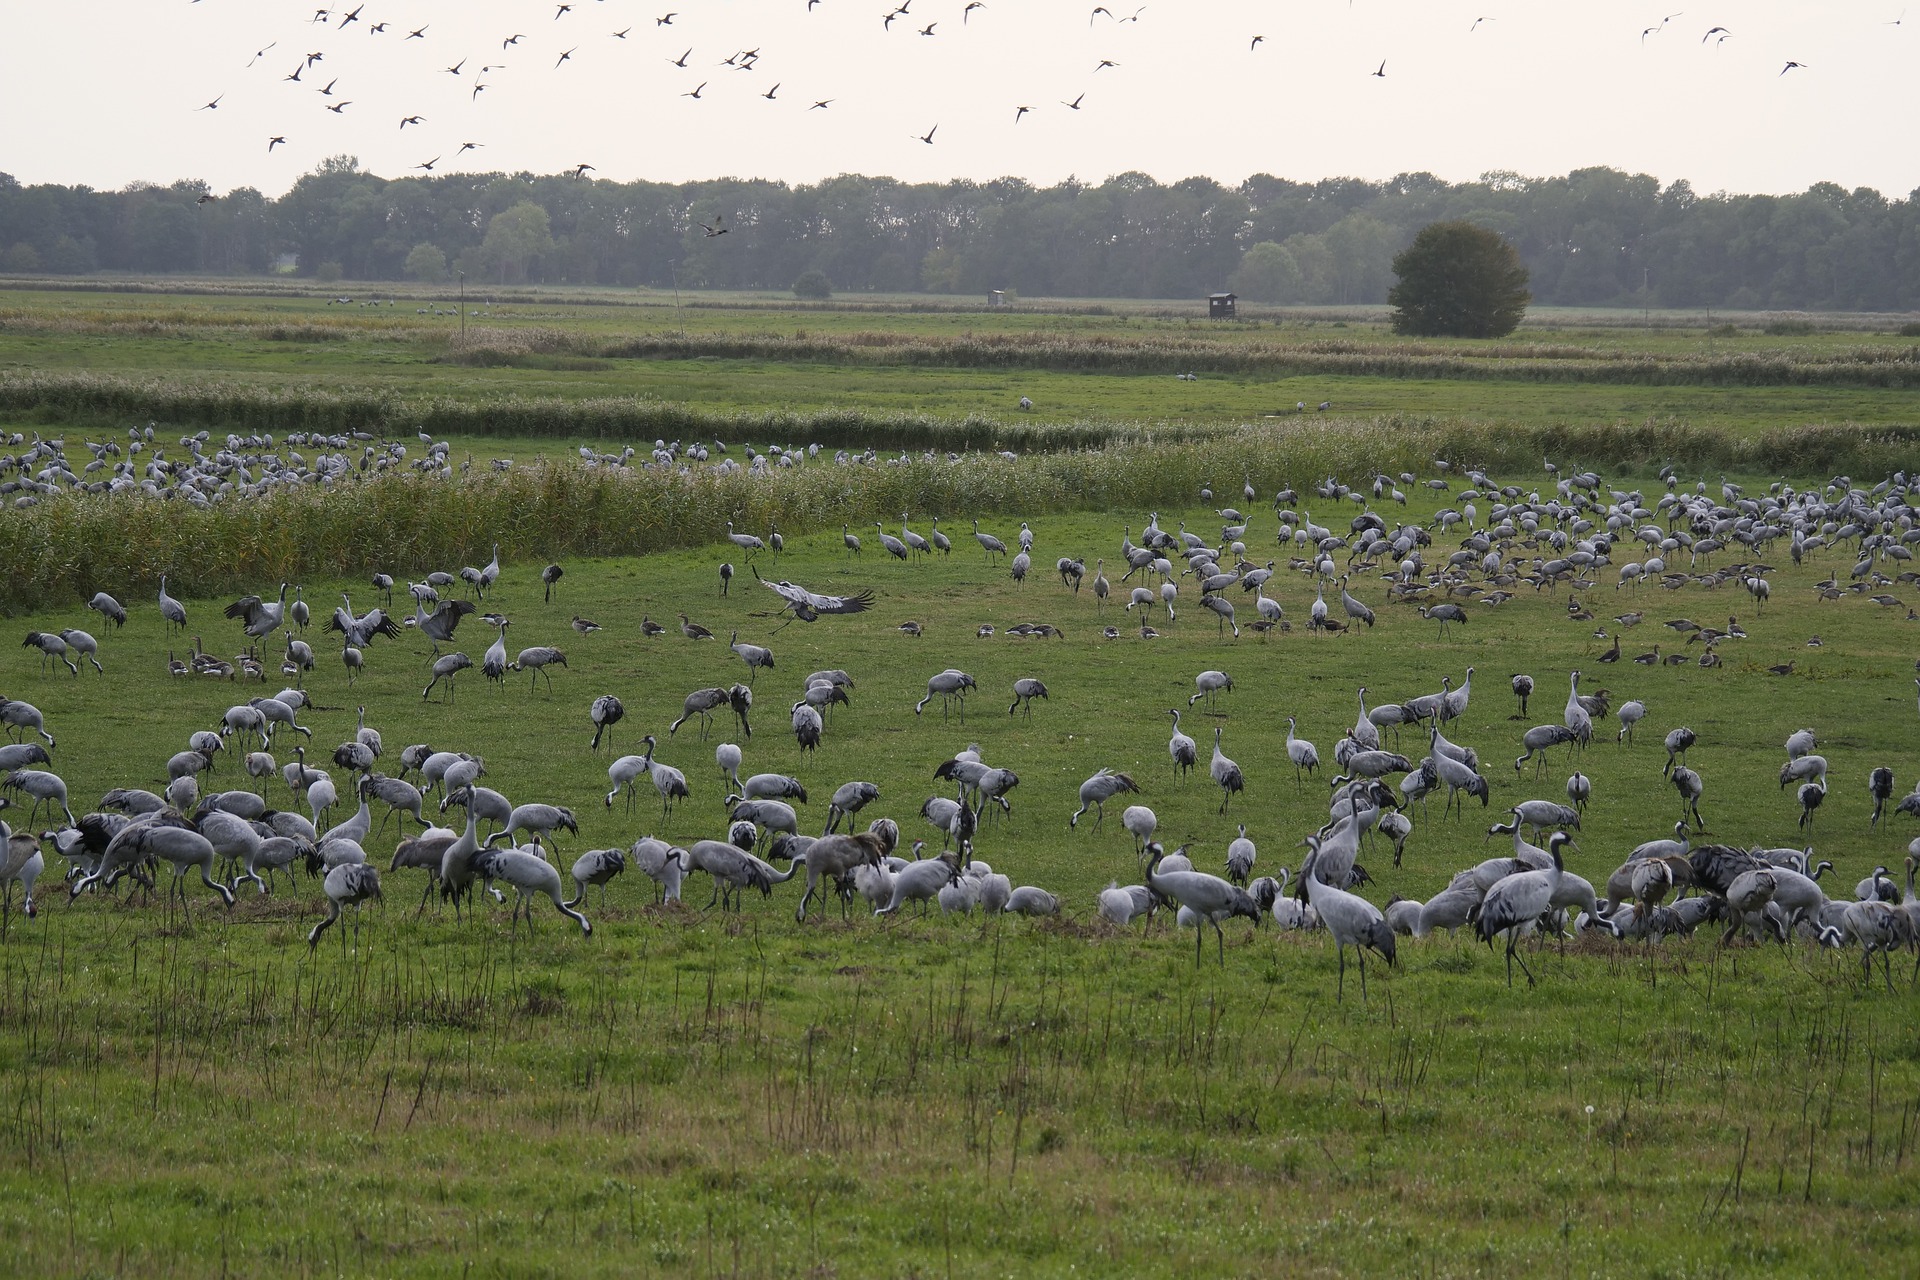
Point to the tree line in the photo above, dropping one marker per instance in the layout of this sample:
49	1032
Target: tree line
1593	237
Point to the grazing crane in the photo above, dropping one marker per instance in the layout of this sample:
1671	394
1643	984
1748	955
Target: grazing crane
1184	750
947	686
445	667
1446	615
347	885
550	578
702	703
1630	714
1515	903
988	543
1097	790
606	712
109	608
52	649
1225	772
45	788
667	780
1691	788
85	645
1679	742
1352	920
537	659
807	725
1304	754
849	799
728	756
836	858
1025	690
1208	897
530	874
1208	685
596	866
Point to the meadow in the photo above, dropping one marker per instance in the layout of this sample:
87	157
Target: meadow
692	1091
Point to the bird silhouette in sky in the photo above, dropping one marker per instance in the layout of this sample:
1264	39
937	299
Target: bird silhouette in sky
407	120
428	165
715	230
354	16
469	146
560	10
1722	32
273	142
768	95
927	137
563	57
328	91
454	70
681	61
1255	44
339	108
971	6
621	35
1105	63
262	53
1791	65
1476	24
295	77
821	105
214	105
1018	112
582	170
418	33
515	38
1074	105
666	21
696	92
1381	71
928	29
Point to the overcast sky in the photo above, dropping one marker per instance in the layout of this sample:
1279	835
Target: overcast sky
106	92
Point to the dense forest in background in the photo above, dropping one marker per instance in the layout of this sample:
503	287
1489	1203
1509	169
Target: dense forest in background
1594	237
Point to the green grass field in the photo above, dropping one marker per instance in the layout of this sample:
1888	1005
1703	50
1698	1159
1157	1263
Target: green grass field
698	1092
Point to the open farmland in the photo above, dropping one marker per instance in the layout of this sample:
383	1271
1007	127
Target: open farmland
692	1091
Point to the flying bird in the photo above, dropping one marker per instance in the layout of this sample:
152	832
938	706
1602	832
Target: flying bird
820	105
1104	64
1722	32
621	35
428	166
563	57
696	92
1018	112
353	16
971	6
680	61
295	77
928	29
1074	105
454	70
339	108
582	170
1255	44
561	9
715	230
469	146
808	605
768	95
262	53
328	91
1381	73
273	142
515	38
418	33
1097	11
668	20
1791	65
407	120
927	137
214	105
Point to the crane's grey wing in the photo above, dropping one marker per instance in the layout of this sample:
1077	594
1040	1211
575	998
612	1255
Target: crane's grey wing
841	604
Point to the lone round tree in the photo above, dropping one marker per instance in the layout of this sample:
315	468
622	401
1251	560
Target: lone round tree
1458	280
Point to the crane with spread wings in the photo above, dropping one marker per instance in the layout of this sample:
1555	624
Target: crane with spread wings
808	605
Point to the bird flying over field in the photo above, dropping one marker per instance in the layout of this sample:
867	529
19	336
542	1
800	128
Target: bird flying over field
808	605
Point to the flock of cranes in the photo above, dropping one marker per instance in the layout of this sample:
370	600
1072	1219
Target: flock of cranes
1663	886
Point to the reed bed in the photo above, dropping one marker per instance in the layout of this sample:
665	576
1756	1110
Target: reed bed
68	547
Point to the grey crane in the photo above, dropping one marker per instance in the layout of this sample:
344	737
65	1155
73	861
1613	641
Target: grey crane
1208	897
1097	790
747	542
728	756
667	780
1538	741
1352	921
347	885
702	703
260	618
1579	790
1880	787
530	874
445	667
1514	904
731	868
1522	689
892	545
940	541
1241	853
1356	610
536	820
1223	607
1446	614
1576	716
439	625
988	543
755	656
1691	787
849	540
1025	690
537	659
605	712
171	611
1630	714
835	858
808	726
1184	750
948	685
45	788
808	606
493	663
1304	754
1029	900
596	866
1208	685
109	608
550	578
52	649
913	540
1225	773
1678	741
849	799
85	645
